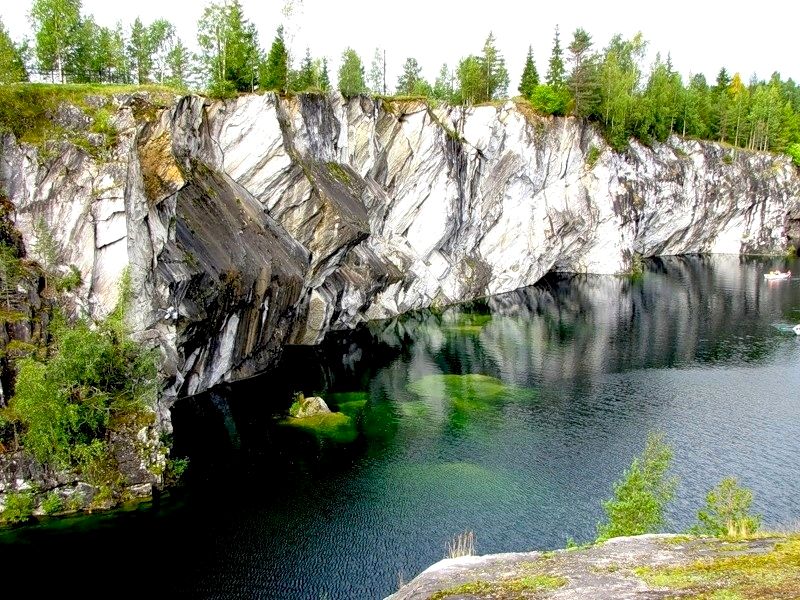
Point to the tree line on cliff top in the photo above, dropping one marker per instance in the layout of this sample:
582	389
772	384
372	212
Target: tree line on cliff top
608	85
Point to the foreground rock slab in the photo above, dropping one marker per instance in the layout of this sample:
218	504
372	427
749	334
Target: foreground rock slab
647	566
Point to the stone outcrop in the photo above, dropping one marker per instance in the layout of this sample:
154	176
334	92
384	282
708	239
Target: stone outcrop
256	222
625	568
308	407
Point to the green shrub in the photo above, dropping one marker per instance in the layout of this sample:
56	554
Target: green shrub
222	90
175	470
72	280
95	378
550	100
592	156
52	504
727	511
794	151
19	507
641	496
637	266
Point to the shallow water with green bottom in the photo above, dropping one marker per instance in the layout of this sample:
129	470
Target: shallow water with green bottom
510	417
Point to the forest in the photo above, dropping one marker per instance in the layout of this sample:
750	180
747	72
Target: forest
608	85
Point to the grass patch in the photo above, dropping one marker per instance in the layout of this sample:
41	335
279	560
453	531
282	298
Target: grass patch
339	173
775	574
334	426
462	544
508	588
27	110
592	156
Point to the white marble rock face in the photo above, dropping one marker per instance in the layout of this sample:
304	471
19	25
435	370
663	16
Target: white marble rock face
274	221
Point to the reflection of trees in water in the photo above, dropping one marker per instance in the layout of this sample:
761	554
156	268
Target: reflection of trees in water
572	327
684	309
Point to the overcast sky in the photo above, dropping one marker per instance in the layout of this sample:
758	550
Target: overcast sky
702	35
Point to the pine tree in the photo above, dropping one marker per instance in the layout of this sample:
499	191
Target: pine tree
555	71
530	77
276	70
324	78
583	77
305	77
495	74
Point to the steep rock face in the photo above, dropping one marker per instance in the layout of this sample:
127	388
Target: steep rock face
255	222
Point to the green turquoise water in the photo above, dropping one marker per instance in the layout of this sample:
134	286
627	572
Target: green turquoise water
510	417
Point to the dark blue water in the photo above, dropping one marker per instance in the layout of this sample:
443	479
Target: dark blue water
584	368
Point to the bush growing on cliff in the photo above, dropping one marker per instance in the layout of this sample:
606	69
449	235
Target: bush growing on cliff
19	507
727	511
794	151
94	379
641	496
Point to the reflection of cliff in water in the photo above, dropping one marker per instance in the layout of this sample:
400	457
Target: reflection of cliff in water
570	327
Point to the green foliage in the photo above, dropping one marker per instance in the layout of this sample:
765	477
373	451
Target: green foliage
556	71
759	573
592	156
351	74
11	271
334	426
641	496
518	587
494	70
12	66
275	75
222	90
377	73
324	78
55	23
95	379
307	77
52	504
550	100
482	78
727	511
411	78
471	84
443	86
583	79
297	404
175	470
229	48
637	266
794	152
19	507
71	281
530	77
45	248
27	110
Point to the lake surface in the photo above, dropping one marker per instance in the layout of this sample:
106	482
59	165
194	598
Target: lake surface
510	417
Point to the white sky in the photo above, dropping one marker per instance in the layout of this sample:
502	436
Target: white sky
702	35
